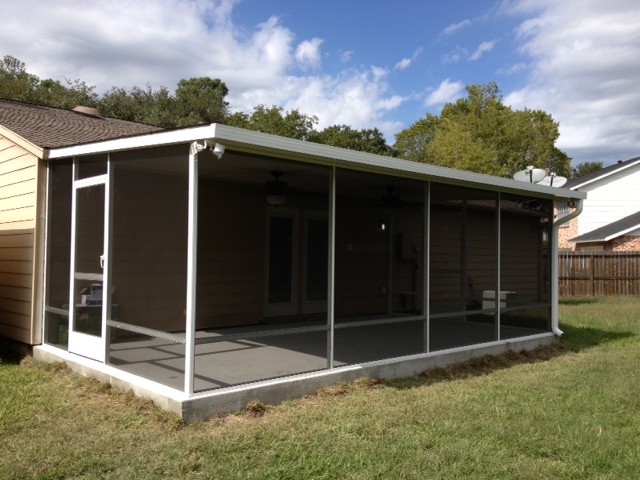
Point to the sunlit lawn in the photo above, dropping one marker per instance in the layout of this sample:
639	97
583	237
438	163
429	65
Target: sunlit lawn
568	411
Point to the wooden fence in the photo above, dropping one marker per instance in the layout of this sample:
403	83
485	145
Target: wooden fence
599	274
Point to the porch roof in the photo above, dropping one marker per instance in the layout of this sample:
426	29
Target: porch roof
271	145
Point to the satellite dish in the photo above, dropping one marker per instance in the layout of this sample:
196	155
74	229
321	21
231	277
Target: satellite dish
530	175
553	181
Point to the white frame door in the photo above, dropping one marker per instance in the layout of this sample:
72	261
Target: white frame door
89	344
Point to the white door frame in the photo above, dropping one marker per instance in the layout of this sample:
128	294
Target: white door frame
84	344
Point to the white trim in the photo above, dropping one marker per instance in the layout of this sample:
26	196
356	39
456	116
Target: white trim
81	343
609	237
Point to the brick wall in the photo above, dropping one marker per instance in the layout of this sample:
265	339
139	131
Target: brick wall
567	231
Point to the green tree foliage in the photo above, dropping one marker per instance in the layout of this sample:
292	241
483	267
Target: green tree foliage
481	134
276	121
195	101
584	168
366	140
293	124
17	84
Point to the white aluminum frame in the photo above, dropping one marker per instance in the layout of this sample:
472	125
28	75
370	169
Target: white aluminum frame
81	343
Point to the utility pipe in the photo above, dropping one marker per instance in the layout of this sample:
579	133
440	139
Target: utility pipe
555	292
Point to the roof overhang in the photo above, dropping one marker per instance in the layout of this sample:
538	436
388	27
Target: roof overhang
265	144
586	238
605	175
24	143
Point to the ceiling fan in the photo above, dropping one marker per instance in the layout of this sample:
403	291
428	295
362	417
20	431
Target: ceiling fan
276	189
390	201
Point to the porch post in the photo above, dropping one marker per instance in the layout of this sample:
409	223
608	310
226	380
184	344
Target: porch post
332	268
426	265
498	264
192	253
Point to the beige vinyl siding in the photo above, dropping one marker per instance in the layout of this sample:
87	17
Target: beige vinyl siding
231	240
19	202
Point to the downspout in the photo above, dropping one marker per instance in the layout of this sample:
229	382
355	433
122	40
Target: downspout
555	291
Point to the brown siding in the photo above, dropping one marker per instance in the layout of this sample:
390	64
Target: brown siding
19	204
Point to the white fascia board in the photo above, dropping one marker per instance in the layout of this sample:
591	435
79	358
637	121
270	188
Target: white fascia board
622	232
155	139
609	237
266	144
22	142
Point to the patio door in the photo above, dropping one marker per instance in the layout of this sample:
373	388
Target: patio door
89	301
297	263
282	263
315	260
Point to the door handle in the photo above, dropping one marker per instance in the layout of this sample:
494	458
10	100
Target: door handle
102	261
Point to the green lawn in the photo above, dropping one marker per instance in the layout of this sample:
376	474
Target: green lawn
568	411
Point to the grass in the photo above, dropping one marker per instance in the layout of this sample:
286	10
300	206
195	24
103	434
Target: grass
567	411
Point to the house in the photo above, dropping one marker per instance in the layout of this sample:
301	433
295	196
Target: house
27	133
210	266
610	220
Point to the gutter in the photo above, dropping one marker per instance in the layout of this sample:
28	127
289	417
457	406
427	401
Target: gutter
555	291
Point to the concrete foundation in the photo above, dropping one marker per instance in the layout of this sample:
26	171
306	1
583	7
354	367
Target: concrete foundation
202	406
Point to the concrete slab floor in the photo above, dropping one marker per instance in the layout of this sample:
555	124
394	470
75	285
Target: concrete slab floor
229	374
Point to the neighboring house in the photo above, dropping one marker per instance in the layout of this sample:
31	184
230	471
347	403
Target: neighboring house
610	219
210	266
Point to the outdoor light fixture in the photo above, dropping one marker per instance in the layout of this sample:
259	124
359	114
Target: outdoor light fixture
276	190
571	203
382	225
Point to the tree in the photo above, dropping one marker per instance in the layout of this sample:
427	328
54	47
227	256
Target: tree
202	100
585	168
276	121
366	140
19	85
481	134
196	101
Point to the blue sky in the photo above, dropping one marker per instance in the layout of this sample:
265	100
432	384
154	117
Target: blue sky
374	63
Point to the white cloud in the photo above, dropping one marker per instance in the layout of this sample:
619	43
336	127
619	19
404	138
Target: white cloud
451	29
513	69
483	48
585	69
346	56
445	93
308	54
403	64
455	55
158	42
406	62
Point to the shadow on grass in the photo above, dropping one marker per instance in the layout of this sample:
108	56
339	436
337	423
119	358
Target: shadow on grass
575	339
10	358
580	338
577	300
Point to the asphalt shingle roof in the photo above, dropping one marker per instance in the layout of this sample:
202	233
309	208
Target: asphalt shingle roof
50	127
613	230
